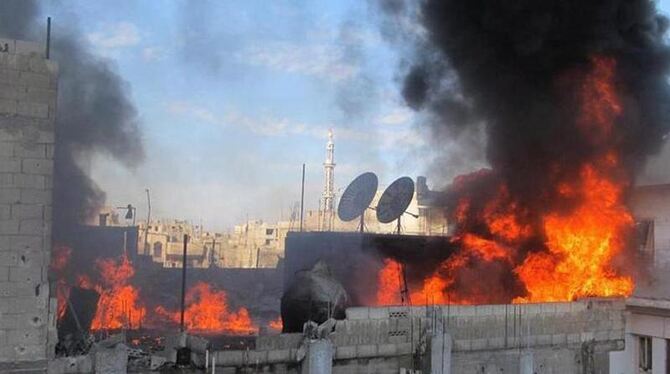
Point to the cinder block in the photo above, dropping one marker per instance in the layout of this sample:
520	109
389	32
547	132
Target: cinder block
357	313
33	258
32	227
345	352
25	304
478	344
229	358
44	137
6	148
573	338
559	339
25	274
28	48
468	310
71	365
111	360
6	180
14	61
24	211
31	79
49	151
496	343
9	227
258	357
37	166
279	355
10	195
30	181
35	196
32	352
462	345
482	310
548	308
379	313
10	166
14	290
387	350
587	336
499	310
368	350
40	95
5	212
9	76
30	150
32	109
32	336
8	107
26	243
38	65
601	335
9	258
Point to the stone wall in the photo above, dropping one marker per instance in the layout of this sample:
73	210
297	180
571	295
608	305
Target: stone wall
28	87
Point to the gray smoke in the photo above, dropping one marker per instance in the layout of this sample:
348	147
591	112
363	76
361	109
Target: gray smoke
95	114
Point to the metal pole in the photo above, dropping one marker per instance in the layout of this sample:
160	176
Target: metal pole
48	37
302	196
146	229
258	255
183	282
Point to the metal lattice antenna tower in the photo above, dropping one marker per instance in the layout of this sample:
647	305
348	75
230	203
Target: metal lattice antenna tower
329	187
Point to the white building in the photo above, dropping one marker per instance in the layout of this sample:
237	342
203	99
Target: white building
648	311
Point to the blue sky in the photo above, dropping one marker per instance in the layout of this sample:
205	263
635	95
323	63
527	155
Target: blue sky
234	96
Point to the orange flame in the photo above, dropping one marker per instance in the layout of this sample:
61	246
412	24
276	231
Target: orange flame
119	305
581	247
59	260
207	311
276	324
579	243
389	283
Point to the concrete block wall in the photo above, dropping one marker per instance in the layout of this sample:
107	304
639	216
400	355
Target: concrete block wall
563	338
28	94
487	327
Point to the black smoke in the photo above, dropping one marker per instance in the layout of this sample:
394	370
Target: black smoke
94	116
500	63
515	68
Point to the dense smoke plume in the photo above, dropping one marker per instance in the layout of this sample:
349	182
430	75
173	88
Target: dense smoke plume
563	88
95	114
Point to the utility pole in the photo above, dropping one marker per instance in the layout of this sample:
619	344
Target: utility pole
302	197
183	282
146	229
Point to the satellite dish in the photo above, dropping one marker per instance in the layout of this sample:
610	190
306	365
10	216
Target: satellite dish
395	200
357	197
